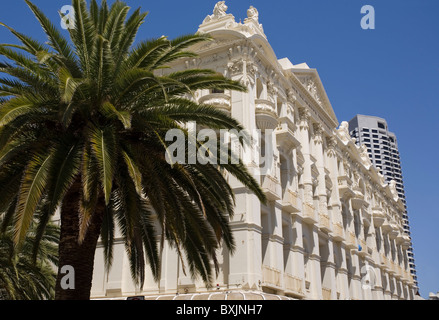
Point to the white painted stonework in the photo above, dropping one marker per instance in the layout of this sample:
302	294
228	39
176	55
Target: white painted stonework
332	228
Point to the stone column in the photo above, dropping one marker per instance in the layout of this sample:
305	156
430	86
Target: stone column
245	265
314	261
334	201
321	187
330	280
297	250
356	289
304	118
342	277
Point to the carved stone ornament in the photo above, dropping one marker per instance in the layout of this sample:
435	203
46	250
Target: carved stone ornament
251	70
312	89
291	97
236	67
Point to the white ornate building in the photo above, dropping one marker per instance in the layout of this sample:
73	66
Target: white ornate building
332	228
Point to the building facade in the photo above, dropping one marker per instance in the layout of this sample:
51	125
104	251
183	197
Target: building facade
382	147
332	227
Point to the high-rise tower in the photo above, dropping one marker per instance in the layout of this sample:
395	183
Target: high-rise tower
382	147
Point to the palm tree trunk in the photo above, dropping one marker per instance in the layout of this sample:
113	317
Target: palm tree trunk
78	258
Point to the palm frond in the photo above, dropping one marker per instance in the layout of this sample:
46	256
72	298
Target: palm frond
31	191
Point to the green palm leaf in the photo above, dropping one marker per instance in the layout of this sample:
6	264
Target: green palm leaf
32	188
103	143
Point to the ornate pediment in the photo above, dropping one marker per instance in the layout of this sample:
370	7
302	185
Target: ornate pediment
311	82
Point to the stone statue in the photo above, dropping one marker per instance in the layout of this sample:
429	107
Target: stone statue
252	13
344	131
218	11
365	155
392	187
252	20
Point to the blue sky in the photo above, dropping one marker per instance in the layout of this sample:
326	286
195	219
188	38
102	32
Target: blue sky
390	72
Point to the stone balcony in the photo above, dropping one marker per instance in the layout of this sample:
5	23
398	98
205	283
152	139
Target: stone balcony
364	248
326	293
394	231
324	223
271	277
351	240
338	232
345	188
285	137
271	187
406	242
386	227
220	100
378	216
309	214
400	238
385	262
266	115
291	201
293	284
358	200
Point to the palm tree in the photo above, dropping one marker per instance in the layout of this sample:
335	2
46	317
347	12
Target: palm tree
24	276
82	128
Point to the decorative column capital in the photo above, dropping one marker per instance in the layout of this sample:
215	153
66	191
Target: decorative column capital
304	118
318	133
331	143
